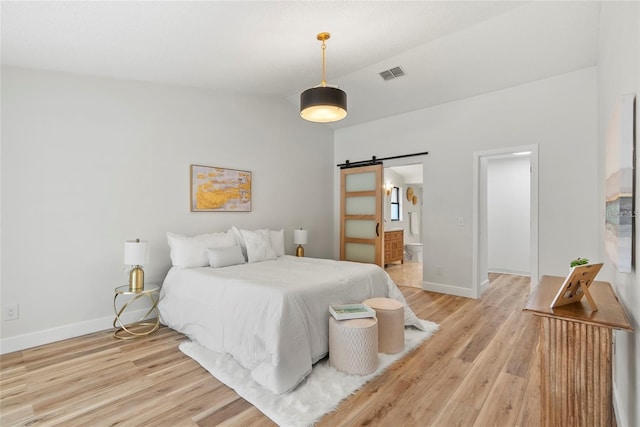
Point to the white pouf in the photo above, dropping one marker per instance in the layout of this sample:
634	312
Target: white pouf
353	345
390	314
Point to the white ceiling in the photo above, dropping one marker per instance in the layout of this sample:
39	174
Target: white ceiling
449	50
412	174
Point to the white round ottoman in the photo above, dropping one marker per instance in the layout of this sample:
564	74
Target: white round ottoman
353	345
390	314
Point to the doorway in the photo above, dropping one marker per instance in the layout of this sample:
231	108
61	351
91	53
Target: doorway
403	202
484	221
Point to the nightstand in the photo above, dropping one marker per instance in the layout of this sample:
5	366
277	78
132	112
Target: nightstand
142	327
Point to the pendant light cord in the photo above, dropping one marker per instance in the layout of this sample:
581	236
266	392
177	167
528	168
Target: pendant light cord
324	80
323	37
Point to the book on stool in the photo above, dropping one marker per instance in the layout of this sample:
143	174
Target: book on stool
351	311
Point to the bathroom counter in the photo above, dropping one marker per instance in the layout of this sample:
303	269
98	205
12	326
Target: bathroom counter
393	246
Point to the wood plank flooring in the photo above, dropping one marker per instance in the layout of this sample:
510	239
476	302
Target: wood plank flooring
409	274
480	369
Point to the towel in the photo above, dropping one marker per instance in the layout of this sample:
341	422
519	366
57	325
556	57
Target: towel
414	223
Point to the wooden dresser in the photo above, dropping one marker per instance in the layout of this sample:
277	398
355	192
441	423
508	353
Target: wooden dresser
393	246
575	354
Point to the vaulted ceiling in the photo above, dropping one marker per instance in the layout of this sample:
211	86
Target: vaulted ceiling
448	50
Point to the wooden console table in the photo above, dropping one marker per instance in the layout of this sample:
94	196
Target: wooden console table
575	354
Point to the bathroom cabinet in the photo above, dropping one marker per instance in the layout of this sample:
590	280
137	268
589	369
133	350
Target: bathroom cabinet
393	246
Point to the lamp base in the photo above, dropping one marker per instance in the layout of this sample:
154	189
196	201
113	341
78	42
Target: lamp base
299	251
136	279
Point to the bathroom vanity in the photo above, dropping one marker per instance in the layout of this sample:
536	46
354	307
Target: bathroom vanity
393	246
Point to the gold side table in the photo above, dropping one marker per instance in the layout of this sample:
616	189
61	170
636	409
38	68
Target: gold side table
144	326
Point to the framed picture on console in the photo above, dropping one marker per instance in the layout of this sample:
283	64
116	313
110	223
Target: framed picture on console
576	285
215	189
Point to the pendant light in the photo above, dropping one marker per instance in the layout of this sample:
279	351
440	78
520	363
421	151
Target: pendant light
323	104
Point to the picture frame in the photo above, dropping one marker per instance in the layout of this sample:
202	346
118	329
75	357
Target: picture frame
576	285
216	189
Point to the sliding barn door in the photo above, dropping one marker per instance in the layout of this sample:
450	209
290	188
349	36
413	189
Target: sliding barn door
361	234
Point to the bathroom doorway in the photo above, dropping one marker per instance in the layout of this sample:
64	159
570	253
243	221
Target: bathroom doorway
403	202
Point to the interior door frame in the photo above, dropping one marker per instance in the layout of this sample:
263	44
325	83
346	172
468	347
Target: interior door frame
378	241
480	208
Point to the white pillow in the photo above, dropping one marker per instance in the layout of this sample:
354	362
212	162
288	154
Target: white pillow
189	252
223	257
277	241
240	241
258	245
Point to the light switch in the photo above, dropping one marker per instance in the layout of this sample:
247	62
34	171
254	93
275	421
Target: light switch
460	221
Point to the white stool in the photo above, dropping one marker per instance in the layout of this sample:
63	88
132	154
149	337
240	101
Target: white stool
353	345
390	314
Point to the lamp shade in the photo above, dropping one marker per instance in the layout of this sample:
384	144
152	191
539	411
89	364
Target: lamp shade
323	104
300	236
135	252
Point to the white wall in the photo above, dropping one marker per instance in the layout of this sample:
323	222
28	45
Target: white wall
88	163
411	209
508	215
558	114
619	74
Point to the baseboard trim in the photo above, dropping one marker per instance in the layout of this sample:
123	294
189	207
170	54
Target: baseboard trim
484	285
509	271
47	336
448	289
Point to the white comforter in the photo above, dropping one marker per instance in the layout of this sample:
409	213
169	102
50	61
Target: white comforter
271	316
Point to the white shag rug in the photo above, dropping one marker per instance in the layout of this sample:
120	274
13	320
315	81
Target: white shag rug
319	394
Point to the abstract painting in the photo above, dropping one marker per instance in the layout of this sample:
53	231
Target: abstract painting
216	189
619	178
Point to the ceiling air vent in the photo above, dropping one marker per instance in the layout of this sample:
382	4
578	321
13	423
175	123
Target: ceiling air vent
392	73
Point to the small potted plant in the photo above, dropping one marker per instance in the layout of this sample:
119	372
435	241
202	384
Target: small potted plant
579	261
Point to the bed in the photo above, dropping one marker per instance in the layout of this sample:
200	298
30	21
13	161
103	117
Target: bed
270	316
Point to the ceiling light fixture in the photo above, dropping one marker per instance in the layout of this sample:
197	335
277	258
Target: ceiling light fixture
323	104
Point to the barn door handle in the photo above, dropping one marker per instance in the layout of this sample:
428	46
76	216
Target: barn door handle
377	229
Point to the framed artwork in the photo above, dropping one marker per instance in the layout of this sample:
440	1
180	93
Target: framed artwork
215	189
619	177
576	285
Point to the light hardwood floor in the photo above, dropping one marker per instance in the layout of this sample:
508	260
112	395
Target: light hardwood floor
407	274
480	369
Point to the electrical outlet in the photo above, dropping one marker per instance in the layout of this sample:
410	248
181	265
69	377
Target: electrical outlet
11	312
460	221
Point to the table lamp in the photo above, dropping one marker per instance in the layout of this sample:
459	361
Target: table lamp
135	255
300	238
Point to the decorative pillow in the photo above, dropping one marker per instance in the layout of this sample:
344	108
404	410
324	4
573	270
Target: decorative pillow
223	257
189	252
240	241
258	245
277	241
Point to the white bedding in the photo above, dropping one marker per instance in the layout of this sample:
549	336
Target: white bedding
271	316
